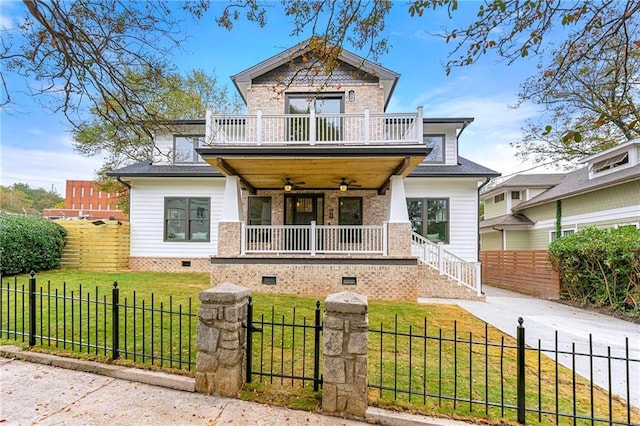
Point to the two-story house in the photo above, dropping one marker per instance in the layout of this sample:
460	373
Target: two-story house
315	189
526	212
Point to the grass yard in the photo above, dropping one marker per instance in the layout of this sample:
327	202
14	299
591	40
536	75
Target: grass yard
434	353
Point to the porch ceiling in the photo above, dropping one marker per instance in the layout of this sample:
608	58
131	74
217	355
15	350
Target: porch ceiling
319	167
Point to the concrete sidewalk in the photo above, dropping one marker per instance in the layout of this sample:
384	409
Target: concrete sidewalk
541	320
40	392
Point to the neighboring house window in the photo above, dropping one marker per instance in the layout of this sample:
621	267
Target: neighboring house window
554	236
350	214
437	144
515	195
328	128
627	225
610	163
498	198
185	149
430	218
186	219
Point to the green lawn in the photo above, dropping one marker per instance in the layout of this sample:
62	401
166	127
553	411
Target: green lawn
442	350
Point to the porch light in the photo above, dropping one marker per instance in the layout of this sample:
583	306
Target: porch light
287	187
343	187
352	95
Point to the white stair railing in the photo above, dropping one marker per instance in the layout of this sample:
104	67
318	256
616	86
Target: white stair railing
434	255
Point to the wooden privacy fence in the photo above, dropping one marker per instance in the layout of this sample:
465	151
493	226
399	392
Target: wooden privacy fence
101	245
524	271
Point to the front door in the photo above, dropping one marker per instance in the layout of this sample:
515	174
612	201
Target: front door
302	209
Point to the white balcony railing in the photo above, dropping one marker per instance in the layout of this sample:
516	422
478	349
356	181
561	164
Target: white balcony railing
464	272
366	128
312	239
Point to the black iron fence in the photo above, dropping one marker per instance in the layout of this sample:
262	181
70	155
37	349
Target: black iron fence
501	378
284	349
109	325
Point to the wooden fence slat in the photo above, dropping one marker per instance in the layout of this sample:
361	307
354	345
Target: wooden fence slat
524	271
96	247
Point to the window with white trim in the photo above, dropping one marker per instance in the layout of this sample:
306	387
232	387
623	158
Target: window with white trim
187	219
554	236
498	198
627	225
515	195
184	149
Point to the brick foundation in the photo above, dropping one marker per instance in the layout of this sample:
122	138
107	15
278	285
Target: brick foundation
170	264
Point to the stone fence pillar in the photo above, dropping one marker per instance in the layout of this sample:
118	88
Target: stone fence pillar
345	336
221	340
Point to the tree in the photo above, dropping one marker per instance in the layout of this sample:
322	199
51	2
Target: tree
592	107
20	198
126	138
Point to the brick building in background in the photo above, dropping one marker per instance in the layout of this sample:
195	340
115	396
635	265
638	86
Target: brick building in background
84	199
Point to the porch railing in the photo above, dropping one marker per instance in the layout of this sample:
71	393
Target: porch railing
464	272
314	128
312	239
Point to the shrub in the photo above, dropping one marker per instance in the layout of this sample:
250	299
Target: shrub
600	267
29	243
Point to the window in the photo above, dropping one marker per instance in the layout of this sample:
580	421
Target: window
515	195
430	218
259	210
611	162
90	192
436	143
186	219
498	198
553	235
635	225
185	149
328	128
350	214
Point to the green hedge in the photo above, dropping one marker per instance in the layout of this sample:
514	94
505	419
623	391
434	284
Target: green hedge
29	243
600	267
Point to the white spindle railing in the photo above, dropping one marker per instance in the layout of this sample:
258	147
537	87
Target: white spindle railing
313	128
312	239
464	272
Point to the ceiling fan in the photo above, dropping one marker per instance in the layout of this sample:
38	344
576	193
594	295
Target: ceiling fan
344	184
288	185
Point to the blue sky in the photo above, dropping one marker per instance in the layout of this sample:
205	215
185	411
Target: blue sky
36	147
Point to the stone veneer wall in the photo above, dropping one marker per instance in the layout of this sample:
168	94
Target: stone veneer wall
170	264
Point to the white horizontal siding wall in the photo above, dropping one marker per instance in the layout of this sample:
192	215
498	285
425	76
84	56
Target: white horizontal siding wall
463	215
147	215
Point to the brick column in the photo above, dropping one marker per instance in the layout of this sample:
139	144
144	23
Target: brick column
221	340
229	239
399	239
344	371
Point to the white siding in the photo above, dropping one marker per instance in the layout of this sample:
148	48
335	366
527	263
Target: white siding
163	142
463	204
147	215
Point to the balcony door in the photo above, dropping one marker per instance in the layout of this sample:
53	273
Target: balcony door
328	128
302	209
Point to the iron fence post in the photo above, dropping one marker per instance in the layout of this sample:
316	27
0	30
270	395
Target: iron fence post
316	349
115	329
249	367
32	308
521	373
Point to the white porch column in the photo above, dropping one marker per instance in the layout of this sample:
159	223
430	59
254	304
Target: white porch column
232	205
230	225
397	211
399	226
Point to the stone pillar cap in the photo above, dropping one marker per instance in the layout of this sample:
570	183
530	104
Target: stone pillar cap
346	302
225	293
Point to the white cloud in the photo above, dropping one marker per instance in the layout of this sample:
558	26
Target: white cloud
45	169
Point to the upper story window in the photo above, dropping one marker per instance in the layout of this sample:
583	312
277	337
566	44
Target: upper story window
515	195
498	198
437	145
328	127
185	149
610	163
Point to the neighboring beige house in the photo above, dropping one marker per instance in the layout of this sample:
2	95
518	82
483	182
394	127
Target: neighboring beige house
522	212
523	215
314	190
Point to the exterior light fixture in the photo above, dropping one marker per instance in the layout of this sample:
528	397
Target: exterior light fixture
287	187
352	95
343	187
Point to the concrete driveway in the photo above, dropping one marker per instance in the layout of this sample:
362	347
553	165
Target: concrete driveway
541	320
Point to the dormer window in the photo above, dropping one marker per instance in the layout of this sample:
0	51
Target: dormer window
610	163
436	143
184	149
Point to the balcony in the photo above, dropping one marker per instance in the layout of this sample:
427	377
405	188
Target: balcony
314	129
